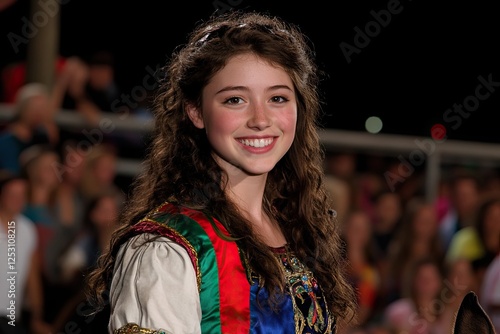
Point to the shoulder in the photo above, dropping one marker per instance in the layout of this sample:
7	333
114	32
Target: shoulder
25	230
182	224
25	224
148	244
148	252
151	275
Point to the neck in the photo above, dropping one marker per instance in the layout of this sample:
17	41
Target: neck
424	301
40	195
247	192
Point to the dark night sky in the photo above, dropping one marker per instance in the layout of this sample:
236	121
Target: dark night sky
425	60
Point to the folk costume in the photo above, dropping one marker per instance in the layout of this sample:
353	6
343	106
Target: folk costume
189	278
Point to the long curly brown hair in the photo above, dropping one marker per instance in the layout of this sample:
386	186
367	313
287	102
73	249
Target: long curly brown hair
179	164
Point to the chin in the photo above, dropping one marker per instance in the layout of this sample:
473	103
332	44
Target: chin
258	170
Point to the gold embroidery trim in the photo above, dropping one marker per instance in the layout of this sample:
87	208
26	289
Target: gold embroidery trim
132	328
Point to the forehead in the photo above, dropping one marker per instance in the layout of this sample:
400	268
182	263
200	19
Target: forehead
250	67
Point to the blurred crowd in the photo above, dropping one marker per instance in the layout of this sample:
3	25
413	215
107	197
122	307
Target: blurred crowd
411	260
60	193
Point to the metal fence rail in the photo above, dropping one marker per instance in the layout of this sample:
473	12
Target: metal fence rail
410	150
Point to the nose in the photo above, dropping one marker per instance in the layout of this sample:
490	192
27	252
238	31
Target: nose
259	118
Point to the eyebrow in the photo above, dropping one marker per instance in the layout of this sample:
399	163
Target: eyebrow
244	88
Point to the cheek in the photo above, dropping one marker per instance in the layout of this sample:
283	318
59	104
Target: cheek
222	124
288	122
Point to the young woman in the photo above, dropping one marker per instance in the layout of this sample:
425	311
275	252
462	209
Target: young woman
228	230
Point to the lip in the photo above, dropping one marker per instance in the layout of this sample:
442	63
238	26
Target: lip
257	150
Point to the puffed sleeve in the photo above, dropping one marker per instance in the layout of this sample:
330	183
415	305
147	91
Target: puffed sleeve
154	286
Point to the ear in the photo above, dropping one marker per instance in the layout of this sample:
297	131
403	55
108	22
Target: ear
471	317
194	114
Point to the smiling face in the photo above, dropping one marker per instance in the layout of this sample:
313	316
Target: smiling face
249	113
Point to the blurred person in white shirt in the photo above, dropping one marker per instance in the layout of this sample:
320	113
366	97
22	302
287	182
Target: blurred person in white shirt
21	294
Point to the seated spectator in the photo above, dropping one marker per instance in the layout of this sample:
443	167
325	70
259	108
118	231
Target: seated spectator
38	166
480	242
100	172
29	295
76	98
418	238
101	87
464	190
388	212
100	221
68	201
417	311
459	280
363	274
489	295
33	123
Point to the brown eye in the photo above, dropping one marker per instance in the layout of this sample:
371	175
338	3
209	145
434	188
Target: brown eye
233	100
279	99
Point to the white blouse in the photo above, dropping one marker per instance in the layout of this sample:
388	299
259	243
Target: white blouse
154	286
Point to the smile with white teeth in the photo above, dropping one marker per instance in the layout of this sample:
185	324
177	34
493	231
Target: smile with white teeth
257	142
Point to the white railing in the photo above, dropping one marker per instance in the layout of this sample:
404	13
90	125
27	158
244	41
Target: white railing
412	151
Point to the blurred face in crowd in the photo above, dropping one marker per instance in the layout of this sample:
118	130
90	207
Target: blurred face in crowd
104	169
35	110
388	209
466	196
461	275
425	222
42	171
13	197
74	162
101	76
358	230
491	227
427	281
105	213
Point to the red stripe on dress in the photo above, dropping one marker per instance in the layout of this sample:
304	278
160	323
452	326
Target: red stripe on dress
234	288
